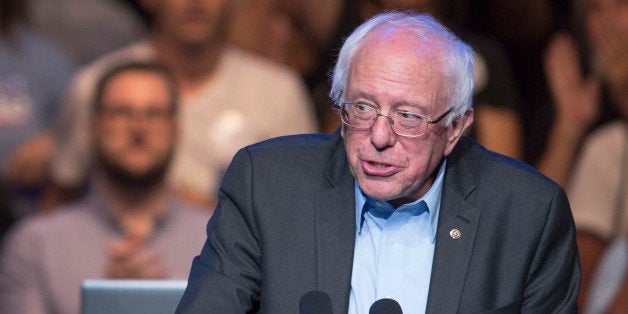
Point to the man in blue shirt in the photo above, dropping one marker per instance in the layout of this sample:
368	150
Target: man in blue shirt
397	204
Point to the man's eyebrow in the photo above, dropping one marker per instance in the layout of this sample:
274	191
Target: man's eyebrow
395	104
361	94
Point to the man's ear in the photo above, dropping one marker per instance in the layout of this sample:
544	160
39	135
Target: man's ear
457	128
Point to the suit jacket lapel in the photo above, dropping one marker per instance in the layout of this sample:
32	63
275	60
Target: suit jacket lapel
335	231
453	250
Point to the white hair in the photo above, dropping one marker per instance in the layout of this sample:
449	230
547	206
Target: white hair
457	57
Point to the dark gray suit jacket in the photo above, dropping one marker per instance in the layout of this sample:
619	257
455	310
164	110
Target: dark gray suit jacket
285	225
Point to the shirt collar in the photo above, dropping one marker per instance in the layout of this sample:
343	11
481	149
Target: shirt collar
432	198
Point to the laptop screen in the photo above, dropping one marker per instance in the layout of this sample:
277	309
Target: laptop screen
131	296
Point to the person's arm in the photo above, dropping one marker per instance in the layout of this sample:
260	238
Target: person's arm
590	247
577	101
553	279
226	277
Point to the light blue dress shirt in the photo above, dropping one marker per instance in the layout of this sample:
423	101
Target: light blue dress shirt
394	250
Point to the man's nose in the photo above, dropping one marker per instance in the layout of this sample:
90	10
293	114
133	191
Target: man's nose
382	134
140	120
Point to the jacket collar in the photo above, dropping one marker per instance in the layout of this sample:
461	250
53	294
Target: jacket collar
457	227
335	229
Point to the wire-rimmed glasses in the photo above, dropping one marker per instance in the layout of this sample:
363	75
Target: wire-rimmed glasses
362	115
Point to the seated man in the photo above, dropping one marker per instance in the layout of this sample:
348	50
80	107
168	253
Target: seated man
229	97
397	204
128	225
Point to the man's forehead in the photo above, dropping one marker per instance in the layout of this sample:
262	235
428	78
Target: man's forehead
390	58
134	79
414	39
401	46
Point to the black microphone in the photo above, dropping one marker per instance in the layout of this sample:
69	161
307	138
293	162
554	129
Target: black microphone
385	306
315	302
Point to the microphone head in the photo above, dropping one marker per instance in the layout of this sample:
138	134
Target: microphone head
385	306
315	302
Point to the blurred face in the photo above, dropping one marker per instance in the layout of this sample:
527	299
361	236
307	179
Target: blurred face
191	22
605	20
135	131
395	73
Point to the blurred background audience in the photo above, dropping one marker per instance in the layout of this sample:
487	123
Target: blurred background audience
129	225
524	29
230	97
551	79
33	74
593	160
303	34
87	29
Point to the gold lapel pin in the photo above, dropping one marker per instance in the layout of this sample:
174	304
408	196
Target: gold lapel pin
455	234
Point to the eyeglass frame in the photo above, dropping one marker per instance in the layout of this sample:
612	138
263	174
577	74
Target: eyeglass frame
423	118
124	114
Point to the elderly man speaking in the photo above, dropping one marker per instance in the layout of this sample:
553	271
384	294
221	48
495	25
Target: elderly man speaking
398	204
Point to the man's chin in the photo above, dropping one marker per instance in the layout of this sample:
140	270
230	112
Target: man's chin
138	178
377	191
136	171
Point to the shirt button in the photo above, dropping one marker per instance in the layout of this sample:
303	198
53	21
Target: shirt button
391	239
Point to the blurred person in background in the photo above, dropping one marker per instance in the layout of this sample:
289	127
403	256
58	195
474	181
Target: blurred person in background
129	225
524	28
230	97
297	30
594	164
33	74
87	29
302	34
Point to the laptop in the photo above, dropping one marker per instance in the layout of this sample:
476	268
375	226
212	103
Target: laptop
131	296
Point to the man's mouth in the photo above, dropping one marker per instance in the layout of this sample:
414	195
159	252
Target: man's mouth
379	165
380	169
